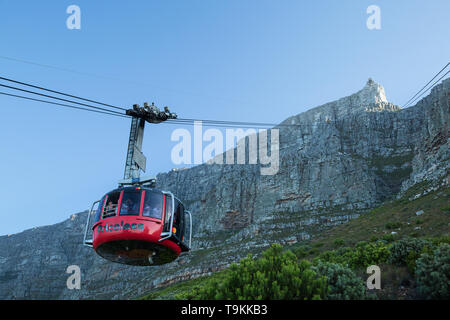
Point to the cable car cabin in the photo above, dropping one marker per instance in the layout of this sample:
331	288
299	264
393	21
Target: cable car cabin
140	226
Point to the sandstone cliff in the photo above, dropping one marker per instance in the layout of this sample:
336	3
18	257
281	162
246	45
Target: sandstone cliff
339	160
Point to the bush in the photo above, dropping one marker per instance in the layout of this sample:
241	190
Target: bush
276	275
405	252
339	242
367	254
433	273
388	237
301	251
339	256
438	240
342	282
318	244
363	255
393	225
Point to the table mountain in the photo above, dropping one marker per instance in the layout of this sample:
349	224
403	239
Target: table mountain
336	161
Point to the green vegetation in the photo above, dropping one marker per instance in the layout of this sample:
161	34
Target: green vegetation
412	251
433	273
395	220
276	275
333	274
446	209
362	255
339	242
405	252
393	225
342	282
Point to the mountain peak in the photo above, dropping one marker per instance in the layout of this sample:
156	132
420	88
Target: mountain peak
372	93
371	98
370	82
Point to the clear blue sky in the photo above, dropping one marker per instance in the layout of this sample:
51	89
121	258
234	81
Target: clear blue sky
251	60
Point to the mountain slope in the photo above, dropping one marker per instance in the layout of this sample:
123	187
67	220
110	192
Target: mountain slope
427	216
345	158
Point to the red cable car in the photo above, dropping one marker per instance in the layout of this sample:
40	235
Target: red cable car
139	226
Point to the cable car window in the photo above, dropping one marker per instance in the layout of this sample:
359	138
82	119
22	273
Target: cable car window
176	213
168	213
98	214
131	203
177	219
187	227
181	223
112	201
153	205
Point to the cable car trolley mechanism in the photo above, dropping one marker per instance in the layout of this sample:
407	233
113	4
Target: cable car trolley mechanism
137	224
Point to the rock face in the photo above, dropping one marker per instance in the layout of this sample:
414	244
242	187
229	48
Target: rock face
336	161
343	157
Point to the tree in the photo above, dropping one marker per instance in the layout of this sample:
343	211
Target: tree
276	275
433	273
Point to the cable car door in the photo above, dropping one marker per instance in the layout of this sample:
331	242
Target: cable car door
169	204
178	221
175	226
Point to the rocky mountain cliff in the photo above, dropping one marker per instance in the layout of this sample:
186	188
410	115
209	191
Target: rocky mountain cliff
336	161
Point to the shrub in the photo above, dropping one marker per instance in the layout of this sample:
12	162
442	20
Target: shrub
301	251
342	282
363	255
339	242
318	244
393	225
438	240
366	254
433	273
388	237
339	256
405	252
276	275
